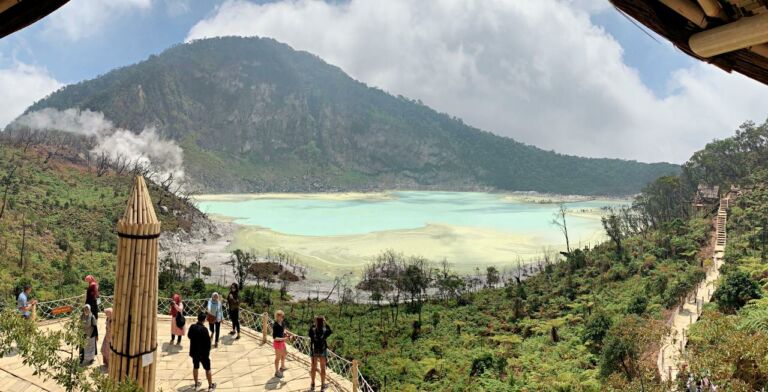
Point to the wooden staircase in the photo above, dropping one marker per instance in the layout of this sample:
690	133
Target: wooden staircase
720	225
672	353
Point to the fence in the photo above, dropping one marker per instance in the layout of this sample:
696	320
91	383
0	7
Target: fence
60	308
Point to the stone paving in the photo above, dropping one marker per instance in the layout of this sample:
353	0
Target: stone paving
238	366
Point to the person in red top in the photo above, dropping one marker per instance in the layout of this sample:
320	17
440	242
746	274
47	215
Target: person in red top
176	307
92	295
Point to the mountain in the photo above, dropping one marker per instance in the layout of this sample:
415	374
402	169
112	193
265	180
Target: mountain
253	115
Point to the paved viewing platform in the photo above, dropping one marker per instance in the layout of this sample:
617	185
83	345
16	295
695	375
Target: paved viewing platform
240	365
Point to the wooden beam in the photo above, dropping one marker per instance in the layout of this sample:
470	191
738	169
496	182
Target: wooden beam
761	49
712	8
5	4
689	10
744	33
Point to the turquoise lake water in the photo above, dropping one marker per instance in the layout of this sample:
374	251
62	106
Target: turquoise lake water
406	210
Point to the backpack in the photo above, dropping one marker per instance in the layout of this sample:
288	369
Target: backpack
318	340
180	320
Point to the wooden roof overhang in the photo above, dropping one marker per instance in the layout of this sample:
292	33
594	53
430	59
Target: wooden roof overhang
731	34
18	14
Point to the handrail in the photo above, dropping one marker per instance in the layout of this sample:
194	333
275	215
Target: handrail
338	364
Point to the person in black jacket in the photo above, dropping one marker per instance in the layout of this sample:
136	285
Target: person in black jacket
318	347
200	350
233	306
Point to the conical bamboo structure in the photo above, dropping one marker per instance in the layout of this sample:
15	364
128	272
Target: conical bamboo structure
134	337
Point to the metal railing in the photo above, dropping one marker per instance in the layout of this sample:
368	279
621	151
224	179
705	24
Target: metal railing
57	309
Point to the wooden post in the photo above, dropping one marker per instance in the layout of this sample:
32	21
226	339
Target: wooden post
33	312
133	355
663	350
688	10
712	8
743	33
264	326
355	380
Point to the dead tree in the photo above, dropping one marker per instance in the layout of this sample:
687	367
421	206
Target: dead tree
7	181
102	164
559	221
23	239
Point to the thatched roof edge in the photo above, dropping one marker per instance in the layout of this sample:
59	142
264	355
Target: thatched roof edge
672	26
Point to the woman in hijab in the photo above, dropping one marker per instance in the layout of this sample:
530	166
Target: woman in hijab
107	337
215	315
88	353
177	307
92	295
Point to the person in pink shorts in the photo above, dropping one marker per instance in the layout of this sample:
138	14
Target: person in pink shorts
279	336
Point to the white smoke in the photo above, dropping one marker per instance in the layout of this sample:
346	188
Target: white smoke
86	122
146	148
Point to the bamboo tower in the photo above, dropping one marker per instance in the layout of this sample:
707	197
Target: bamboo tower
133	352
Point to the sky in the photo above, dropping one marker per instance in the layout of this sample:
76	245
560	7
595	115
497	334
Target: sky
573	76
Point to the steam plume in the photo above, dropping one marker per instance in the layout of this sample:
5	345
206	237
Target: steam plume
165	157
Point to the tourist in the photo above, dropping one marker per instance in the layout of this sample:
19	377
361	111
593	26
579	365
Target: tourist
279	335
214	317
318	347
177	319
233	306
23	303
200	350
107	337
92	295
88	353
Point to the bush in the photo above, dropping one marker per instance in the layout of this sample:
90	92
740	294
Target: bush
736	290
254	295
198	287
596	327
637	305
486	362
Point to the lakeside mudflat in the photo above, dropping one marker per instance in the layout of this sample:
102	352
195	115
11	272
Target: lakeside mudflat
335	234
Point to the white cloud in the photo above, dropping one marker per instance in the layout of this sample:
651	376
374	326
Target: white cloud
20	86
85	18
177	7
538	71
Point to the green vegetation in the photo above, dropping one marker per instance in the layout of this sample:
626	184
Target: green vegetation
54	354
58	220
253	115
591	322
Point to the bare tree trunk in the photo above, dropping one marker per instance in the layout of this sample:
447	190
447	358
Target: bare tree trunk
7	181
23	239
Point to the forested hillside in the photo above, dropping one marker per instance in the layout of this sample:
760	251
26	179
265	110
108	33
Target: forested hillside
590	322
58	213
254	115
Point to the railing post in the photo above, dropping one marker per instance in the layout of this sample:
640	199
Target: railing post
33	312
355	381
264	323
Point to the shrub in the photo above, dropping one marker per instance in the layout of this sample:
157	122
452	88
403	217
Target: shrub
736	290
596	327
637	305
